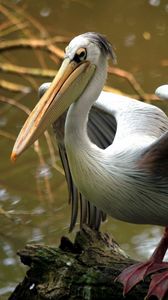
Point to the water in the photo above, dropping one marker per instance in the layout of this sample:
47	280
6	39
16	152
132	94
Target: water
35	195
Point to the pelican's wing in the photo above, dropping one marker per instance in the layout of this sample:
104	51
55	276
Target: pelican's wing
101	127
155	158
89	214
148	119
101	130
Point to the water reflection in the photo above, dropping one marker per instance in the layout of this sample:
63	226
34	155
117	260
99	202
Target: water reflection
154	2
3	121
7	290
3	194
37	235
45	12
146	241
166	8
43	172
130	40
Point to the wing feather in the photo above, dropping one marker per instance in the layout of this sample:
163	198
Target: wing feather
105	127
155	158
101	131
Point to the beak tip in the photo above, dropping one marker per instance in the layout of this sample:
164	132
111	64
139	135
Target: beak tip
13	156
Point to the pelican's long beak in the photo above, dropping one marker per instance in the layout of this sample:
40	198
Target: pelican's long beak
69	83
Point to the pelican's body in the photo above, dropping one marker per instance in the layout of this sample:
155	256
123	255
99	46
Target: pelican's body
126	177
112	178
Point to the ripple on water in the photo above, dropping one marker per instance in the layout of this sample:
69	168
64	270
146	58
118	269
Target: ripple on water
43	171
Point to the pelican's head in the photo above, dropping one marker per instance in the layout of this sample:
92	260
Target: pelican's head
83	55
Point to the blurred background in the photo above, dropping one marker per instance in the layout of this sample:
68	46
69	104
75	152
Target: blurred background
33	191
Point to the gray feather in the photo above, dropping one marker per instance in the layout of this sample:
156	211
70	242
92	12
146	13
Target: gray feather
83	210
155	158
101	131
104	127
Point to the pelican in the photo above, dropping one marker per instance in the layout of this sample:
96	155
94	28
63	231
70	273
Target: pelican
115	147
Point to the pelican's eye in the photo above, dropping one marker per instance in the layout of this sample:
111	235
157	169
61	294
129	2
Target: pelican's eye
80	55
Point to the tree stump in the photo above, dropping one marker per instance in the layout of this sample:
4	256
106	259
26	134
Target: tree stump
83	270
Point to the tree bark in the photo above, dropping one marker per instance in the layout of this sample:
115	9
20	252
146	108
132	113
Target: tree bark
83	270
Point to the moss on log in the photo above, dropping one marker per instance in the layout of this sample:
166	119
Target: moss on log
85	269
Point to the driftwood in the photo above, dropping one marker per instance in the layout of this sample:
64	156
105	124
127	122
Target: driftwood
85	269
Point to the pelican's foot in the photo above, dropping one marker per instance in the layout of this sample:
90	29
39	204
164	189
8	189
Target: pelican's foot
136	273
158	285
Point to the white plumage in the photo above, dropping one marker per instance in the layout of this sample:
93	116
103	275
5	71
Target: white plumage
111	177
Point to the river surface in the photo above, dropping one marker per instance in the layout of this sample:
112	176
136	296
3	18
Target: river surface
35	196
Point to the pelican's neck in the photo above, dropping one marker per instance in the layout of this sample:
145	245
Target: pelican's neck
83	155
77	116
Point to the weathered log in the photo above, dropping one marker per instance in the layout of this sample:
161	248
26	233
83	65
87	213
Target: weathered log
85	269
